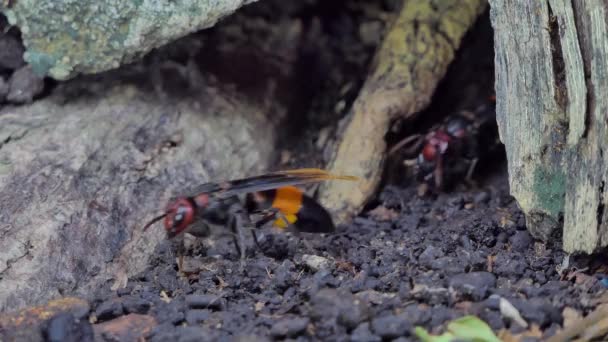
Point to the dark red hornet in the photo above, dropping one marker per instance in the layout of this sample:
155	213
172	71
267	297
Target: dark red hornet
451	146
250	203
440	145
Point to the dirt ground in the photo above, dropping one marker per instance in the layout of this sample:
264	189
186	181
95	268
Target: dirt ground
406	261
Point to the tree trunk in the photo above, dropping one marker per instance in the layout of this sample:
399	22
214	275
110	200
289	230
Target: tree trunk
551	86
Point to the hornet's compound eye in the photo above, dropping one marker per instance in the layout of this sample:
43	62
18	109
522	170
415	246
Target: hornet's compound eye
180	215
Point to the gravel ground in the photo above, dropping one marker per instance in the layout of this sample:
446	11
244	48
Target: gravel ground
406	261
410	261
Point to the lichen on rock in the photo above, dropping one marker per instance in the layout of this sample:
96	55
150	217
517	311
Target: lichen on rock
64	38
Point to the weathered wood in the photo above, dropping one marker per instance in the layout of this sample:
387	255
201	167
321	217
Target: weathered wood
82	170
413	58
551	81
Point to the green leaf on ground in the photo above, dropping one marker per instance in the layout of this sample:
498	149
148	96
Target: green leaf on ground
467	328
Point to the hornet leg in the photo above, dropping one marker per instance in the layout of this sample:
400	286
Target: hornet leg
239	240
267	218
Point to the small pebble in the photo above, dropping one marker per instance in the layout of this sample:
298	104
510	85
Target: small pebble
363	334
391	326
108	310
430	254
473	285
316	262
340	306
204	302
520	241
195	316
66	328
24	85
136	305
289	327
482	197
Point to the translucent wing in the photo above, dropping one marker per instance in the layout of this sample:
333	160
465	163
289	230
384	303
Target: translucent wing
270	181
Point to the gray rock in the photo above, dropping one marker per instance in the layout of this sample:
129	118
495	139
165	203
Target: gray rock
391	326
66	328
474	285
520	241
133	305
194	317
79	177
363	334
24	85
289	327
430	254
108	310
340	306
63	38
204	302
317	262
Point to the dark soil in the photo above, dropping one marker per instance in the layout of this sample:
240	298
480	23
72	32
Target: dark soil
406	261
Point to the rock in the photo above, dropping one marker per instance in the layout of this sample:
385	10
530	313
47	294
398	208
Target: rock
194	317
33	317
520	241
250	338
537	310
316	262
473	285
108	310
391	326
132	327
510	265
340	306
430	254
66	328
109	160
66	319
204	302
11	52
363	334
449	265
417	315
172	312
83	45
136	305
289	327
482	197
24	85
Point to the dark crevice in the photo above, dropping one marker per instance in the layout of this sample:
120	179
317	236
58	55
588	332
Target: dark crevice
557	58
10	262
579	19
5	141
600	207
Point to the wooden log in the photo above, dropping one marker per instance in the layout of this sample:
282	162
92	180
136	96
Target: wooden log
551	79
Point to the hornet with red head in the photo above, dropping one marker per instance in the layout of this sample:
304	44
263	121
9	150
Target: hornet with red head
232	205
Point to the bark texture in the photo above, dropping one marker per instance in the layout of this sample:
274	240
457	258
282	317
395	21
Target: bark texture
413	58
82	170
551	81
